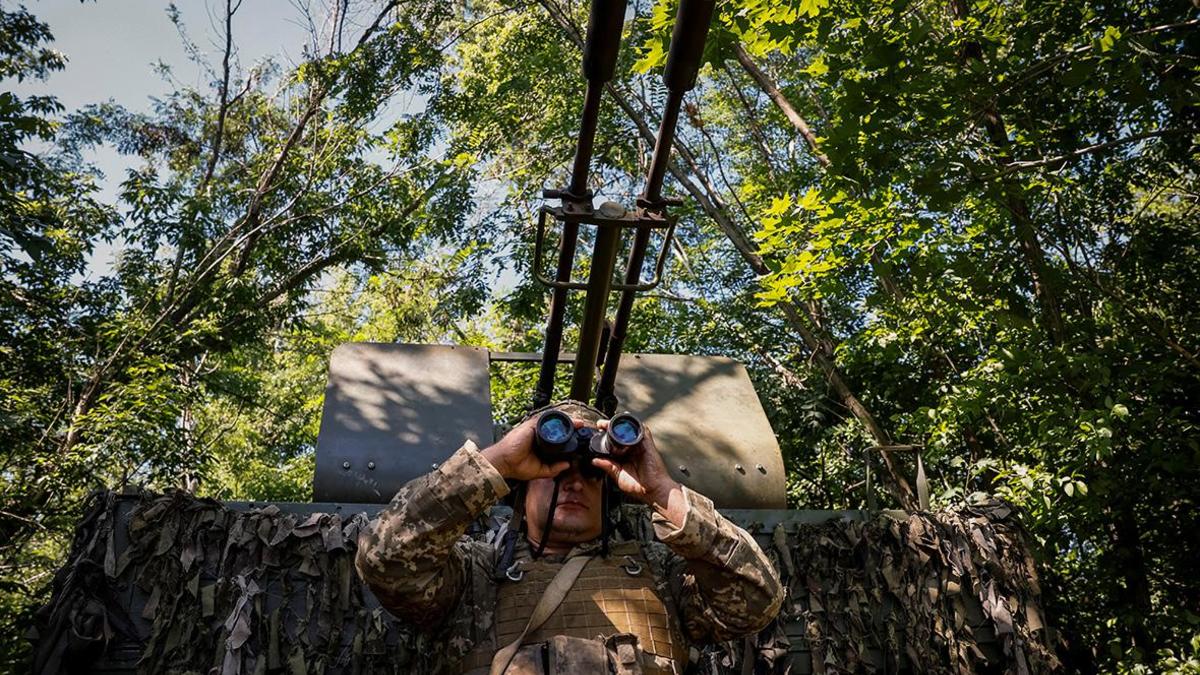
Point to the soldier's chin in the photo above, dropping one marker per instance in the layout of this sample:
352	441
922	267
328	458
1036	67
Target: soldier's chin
572	523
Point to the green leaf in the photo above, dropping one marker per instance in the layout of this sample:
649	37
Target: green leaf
1110	37
812	7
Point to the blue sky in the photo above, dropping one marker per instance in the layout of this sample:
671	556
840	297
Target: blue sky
112	47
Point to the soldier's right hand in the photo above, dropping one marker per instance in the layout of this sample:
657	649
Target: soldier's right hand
514	457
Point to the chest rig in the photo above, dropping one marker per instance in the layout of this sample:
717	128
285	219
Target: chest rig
612	620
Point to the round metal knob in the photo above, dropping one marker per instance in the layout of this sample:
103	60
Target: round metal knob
611	210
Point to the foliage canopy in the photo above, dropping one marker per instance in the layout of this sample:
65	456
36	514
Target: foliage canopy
969	227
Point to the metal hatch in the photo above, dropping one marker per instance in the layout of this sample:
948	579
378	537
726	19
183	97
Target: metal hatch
709	425
392	411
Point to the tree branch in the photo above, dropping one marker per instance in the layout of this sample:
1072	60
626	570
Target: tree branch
1013	167
768	85
1050	63
1013	200
752	122
338	252
223	108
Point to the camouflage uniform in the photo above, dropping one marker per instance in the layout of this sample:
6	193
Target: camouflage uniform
717	582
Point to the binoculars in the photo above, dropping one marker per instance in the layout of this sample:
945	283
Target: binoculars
556	439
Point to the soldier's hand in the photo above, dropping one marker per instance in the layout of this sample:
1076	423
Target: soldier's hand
642	474
514	458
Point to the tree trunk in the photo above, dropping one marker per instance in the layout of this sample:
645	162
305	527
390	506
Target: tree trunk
1012	199
1125	536
785	106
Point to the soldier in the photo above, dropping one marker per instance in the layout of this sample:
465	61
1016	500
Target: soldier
583	605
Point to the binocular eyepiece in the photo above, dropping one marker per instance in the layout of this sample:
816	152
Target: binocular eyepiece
556	439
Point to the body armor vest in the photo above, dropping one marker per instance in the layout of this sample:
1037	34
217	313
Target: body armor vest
613	596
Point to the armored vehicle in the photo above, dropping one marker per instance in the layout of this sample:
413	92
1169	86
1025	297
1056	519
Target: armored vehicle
172	583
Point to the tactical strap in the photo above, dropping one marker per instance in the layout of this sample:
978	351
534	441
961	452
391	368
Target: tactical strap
541	547
514	529
555	593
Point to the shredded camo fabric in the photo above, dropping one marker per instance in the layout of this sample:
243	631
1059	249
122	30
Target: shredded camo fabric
175	584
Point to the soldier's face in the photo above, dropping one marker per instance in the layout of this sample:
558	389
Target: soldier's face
577	517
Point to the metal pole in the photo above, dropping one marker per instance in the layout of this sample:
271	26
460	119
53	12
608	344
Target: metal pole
662	148
605	397
554	326
599	63
587	138
683	63
604	258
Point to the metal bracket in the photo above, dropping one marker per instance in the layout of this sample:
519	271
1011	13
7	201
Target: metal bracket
922	480
584	214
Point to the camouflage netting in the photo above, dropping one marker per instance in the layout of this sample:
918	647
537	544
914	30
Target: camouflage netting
172	583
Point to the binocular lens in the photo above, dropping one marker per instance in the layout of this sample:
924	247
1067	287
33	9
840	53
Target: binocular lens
625	430
556	439
554	427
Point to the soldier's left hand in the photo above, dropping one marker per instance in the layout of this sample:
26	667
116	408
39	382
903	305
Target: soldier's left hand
642	474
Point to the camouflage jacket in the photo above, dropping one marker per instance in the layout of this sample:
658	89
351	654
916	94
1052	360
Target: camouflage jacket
423	570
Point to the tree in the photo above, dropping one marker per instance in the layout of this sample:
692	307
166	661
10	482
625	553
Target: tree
983	275
935	197
962	229
247	199
49	222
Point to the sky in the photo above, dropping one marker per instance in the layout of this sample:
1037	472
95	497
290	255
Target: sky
112	47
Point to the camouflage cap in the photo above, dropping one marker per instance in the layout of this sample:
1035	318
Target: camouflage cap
572	407
577	409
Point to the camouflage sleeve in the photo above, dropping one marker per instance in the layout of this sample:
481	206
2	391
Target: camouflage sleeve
727	586
409	556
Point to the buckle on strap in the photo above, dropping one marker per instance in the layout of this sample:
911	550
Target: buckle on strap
514	572
633	568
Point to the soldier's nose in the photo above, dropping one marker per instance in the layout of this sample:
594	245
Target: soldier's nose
573	480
